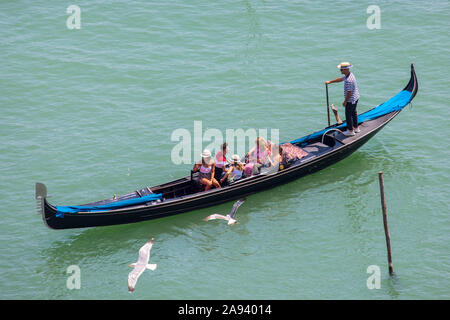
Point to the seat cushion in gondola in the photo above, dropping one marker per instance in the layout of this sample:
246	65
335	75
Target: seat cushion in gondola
317	147
291	152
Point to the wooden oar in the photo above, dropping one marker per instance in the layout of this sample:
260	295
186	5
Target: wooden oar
335	111
328	104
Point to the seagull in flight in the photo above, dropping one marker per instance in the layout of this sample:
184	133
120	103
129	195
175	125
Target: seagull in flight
229	217
140	265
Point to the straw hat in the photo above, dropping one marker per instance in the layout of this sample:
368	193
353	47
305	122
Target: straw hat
344	65
235	158
206	154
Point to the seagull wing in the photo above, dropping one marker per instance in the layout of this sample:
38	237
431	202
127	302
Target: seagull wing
134	275
216	216
144	252
236	205
140	265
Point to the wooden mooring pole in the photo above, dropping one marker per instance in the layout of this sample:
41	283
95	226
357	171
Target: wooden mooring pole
385	221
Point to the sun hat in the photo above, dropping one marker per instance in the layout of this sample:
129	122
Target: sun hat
206	154
236	158
344	65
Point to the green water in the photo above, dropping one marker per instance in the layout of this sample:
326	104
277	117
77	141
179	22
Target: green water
90	113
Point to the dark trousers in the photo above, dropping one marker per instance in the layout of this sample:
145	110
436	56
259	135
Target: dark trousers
218	173
351	115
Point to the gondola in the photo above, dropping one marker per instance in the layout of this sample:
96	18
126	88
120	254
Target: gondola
323	148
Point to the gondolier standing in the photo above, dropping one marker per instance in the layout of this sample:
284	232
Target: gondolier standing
351	95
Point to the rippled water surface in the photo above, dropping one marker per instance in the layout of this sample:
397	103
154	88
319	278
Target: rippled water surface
90	113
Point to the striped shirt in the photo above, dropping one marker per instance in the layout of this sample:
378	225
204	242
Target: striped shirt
350	85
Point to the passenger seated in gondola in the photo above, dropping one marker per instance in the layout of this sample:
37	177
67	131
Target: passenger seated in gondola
221	161
257	157
291	153
206	168
275	164
277	156
288	154
234	172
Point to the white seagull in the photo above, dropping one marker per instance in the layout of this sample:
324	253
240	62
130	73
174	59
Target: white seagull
140	265
229	217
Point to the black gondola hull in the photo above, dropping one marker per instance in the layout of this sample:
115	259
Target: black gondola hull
180	204
214	197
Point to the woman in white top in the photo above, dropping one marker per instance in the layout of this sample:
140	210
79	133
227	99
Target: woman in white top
206	170
235	171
